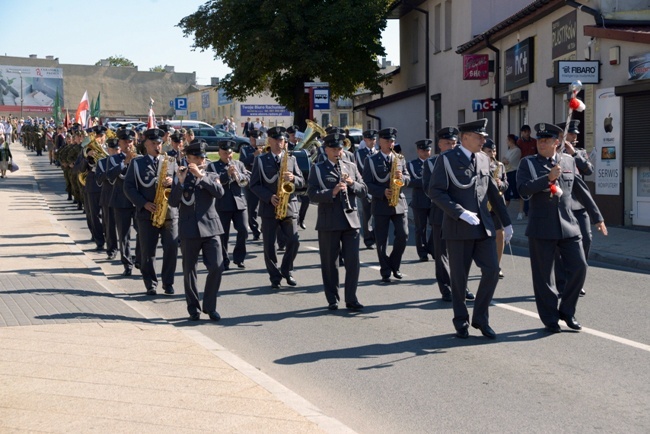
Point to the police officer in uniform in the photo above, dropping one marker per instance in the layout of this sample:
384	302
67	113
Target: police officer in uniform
550	180
376	175
334	185
420	203
123	209
461	185
247	155
231	207
265	177
108	218
194	193
140	185
366	148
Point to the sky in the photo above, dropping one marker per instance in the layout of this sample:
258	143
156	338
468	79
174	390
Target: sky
143	31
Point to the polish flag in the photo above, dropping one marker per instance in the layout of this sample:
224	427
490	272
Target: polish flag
82	110
151	121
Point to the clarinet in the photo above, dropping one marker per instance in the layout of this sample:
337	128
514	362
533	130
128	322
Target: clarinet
345	200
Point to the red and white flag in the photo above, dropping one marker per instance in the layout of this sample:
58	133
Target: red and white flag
151	122
82	115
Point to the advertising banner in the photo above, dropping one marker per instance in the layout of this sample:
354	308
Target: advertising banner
475	67
519	64
563	34
223	98
36	86
607	143
205	99
264	110
639	67
587	71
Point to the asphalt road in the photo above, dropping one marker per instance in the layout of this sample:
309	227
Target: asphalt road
396	367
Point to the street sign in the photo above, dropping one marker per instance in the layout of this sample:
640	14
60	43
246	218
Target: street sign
316	84
180	104
171	103
322	99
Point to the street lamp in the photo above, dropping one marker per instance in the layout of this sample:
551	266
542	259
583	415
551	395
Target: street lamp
21	93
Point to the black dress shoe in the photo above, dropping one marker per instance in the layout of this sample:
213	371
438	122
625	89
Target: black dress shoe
341	263
151	291
501	276
355	306
136	265
486	330
240	265
275	285
469	295
446	296
302	225
127	272
195	316
385	279
281	248
169	290
226	267
553	328
256	237
424	258
290	280
99	248
370	246
571	322
333	306
397	274
214	315
582	292
462	333
111	255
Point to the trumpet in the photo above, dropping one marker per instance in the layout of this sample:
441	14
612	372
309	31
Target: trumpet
237	176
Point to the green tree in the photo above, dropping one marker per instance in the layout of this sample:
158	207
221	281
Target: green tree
118	60
157	68
278	45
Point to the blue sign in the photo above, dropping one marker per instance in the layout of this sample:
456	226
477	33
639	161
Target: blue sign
264	110
180	104
223	99
322	99
194	116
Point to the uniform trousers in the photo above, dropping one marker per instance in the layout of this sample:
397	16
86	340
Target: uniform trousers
289	229
304	206
420	221
148	238
585	230
252	201
329	244
124	218
365	214
442	260
110	233
542	257
93	210
238	219
210	249
392	262
461	253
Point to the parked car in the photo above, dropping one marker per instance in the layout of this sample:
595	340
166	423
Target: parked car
213	136
178	124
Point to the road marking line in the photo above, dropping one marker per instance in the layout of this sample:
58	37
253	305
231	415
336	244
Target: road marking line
587	330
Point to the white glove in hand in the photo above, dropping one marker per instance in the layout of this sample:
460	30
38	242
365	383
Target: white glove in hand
470	217
507	233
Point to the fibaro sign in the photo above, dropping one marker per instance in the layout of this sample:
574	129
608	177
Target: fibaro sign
587	71
486	105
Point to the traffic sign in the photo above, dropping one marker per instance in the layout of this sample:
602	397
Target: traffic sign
171	103
180	104
316	84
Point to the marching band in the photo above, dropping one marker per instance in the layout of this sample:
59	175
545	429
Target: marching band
183	199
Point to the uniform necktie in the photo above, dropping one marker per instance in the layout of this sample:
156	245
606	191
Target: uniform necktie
551	162
155	165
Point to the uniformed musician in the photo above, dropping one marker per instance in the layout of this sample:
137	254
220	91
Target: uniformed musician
377	176
462	185
232	205
140	185
194	192
334	185
420	202
366	148
498	171
550	179
92	191
247	155
264	182
108	219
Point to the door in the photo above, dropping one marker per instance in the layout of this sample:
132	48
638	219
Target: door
641	196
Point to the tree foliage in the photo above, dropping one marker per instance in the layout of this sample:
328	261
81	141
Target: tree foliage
118	60
277	45
157	68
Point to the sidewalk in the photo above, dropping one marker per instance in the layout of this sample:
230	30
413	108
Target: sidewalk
77	354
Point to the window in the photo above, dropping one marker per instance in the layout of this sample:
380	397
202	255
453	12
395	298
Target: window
436	30
343	120
461	116
325	119
415	46
448	26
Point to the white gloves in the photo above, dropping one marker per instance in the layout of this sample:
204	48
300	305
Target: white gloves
507	233
470	217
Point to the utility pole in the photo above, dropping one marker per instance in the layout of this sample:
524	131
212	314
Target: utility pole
21	94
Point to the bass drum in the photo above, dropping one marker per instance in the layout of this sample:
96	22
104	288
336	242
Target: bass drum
304	163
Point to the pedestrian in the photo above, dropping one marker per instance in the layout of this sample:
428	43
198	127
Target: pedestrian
334	185
550	179
510	159
462	185
6	159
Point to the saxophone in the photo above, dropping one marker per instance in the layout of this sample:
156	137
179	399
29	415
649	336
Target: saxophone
162	197
285	189
395	184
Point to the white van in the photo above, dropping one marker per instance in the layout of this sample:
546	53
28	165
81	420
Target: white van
188	124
